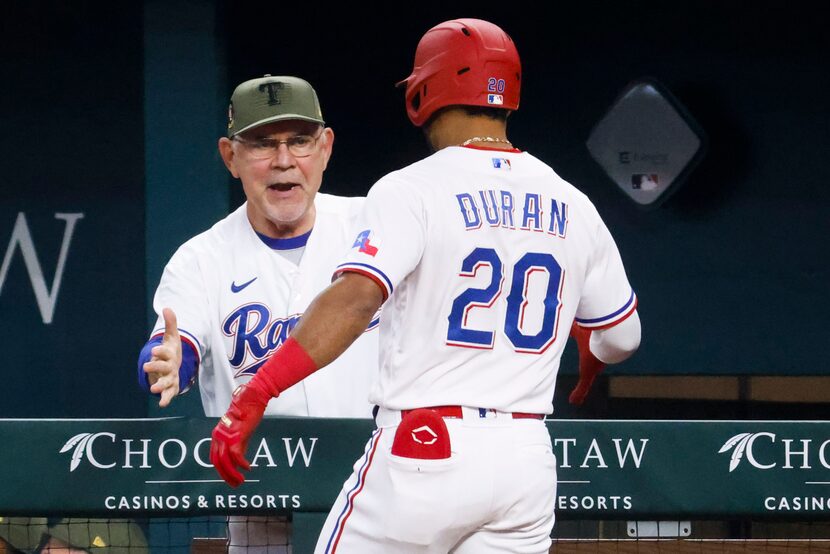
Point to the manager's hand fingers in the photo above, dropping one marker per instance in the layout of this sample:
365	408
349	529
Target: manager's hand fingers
171	331
167	396
164	382
159	367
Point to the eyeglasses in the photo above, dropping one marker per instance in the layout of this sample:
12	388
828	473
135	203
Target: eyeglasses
300	146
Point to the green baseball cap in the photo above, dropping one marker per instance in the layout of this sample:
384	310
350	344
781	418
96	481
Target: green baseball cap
268	99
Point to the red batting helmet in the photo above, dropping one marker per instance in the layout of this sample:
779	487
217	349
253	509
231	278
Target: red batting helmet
467	62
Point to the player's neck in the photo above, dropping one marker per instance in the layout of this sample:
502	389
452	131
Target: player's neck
455	127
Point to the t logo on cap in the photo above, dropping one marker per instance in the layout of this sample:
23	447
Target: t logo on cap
272	87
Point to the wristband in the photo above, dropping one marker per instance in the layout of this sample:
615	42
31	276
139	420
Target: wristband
289	365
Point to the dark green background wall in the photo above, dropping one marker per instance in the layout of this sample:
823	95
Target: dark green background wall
731	271
114	113
72	142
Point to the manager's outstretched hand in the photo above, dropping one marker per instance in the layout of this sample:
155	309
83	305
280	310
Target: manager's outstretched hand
589	365
231	434
163	368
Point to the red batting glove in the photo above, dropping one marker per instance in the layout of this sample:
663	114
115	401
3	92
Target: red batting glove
231	434
289	365
589	365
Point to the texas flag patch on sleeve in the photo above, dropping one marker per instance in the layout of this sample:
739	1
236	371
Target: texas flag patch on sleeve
366	243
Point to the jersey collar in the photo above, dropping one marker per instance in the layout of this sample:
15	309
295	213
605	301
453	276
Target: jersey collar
285	244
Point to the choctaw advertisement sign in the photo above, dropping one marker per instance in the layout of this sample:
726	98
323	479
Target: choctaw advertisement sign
607	469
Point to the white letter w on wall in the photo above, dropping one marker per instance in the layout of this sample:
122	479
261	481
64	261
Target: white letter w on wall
46	298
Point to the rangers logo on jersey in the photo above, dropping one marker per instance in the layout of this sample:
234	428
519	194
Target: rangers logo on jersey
255	336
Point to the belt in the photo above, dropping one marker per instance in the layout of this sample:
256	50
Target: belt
457	412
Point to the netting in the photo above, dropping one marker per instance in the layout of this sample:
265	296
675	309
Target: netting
275	535
735	536
180	535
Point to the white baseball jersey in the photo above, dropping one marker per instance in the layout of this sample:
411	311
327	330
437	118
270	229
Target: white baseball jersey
236	300
486	257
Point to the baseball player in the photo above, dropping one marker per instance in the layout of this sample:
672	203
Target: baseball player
230	296
483	257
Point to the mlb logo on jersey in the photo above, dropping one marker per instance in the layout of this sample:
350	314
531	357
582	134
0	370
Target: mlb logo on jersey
363	243
501	163
495	99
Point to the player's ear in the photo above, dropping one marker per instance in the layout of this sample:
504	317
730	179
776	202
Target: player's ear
228	155
326	142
